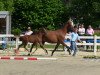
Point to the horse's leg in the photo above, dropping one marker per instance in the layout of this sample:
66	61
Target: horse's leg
41	45
63	47
69	49
19	46
31	49
55	48
25	44
16	51
35	49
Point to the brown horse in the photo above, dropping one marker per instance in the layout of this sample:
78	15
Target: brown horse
35	39
57	36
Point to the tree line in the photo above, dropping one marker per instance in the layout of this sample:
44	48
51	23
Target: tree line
51	14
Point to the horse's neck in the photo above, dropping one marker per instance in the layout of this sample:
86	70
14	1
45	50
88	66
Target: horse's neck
64	29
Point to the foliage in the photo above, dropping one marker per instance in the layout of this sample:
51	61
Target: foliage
16	32
84	11
1	6
37	13
51	13
97	33
6	5
96	24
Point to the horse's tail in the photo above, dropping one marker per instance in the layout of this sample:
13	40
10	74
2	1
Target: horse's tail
20	38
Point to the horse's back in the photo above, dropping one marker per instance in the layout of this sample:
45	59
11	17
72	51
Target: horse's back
55	34
51	36
23	37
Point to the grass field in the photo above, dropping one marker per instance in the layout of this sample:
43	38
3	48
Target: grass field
45	46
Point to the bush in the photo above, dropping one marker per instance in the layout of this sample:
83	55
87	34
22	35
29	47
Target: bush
16	32
97	33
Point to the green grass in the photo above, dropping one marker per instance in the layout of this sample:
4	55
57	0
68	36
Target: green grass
52	46
45	46
91	57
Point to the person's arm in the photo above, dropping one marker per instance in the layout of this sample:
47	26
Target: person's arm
71	36
92	31
84	30
78	38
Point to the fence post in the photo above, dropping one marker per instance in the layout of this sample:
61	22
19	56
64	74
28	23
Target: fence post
95	45
17	39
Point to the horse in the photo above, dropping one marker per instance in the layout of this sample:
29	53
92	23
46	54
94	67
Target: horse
35	39
57	36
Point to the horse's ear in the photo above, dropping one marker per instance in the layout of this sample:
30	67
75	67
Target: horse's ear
70	21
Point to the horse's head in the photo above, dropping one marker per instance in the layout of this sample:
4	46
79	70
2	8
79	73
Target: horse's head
70	26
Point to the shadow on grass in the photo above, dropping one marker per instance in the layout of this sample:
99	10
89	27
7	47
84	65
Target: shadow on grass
34	55
58	50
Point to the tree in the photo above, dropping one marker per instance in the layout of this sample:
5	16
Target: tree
6	5
84	11
37	13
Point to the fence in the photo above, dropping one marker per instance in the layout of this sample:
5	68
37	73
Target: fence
90	40
95	41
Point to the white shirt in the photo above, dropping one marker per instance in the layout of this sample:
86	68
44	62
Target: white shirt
28	32
81	31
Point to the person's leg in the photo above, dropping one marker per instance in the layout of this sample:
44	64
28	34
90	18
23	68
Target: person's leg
72	47
68	48
3	45
75	49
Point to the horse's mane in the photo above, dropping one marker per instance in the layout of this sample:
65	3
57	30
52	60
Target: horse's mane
41	30
34	33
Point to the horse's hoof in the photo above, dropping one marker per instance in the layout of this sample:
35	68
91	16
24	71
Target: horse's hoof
69	51
51	54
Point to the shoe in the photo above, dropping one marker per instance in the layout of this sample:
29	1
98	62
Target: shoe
72	52
74	55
